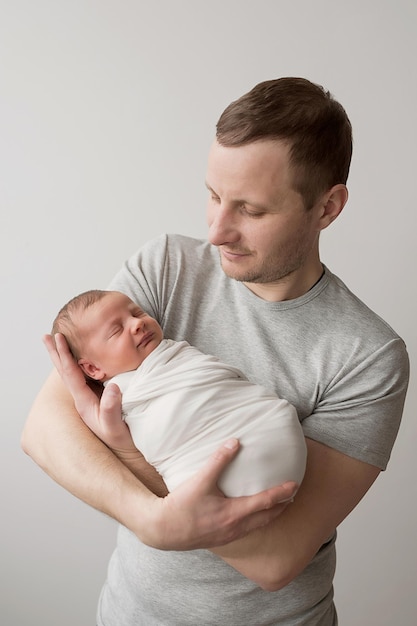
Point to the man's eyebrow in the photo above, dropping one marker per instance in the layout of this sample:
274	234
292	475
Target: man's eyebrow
255	205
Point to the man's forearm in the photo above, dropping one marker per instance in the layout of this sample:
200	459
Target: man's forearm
146	473
63	446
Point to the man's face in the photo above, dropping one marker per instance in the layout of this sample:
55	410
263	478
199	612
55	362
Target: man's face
264	234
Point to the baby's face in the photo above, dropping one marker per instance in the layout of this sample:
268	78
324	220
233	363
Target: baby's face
117	336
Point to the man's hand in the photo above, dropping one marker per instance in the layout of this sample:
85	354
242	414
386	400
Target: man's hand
101	414
197	515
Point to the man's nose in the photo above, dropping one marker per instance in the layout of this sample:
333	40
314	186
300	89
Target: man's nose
222	226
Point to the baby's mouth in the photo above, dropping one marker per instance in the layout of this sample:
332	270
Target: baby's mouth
145	339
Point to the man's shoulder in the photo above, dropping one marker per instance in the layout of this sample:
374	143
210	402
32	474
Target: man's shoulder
353	311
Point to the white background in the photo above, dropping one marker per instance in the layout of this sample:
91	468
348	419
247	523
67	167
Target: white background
107	110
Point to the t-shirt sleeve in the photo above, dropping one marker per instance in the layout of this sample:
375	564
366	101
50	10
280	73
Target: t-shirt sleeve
360	412
142	276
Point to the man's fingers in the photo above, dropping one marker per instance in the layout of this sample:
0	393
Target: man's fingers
281	494
51	347
113	429
250	522
101	415
259	510
71	374
70	370
63	350
111	402
218	461
221	458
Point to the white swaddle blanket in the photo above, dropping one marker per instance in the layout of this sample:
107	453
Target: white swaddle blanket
181	405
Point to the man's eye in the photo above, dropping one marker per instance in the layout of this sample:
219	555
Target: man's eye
251	212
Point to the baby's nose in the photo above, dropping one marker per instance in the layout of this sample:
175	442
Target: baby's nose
137	324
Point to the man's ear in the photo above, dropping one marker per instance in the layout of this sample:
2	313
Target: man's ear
91	370
332	204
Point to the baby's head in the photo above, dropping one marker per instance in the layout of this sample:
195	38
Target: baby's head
107	333
67	321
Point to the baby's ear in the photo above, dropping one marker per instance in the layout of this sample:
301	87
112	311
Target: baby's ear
91	370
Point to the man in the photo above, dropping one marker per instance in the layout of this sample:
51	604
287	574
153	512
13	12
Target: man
276	176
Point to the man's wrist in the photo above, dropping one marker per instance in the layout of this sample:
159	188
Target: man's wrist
134	460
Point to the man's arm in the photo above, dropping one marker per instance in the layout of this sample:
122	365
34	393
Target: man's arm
52	425
193	516
333	485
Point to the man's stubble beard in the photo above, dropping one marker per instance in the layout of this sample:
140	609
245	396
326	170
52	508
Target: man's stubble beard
272	270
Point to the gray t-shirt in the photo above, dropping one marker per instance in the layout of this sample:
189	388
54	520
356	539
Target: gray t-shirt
342	367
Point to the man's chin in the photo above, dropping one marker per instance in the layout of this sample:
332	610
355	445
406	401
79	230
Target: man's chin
232	270
235	275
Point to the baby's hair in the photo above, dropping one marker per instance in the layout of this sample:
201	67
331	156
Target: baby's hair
64	322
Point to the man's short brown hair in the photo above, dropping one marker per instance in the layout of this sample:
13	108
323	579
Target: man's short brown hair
307	117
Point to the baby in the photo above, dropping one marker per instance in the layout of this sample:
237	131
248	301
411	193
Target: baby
180	404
